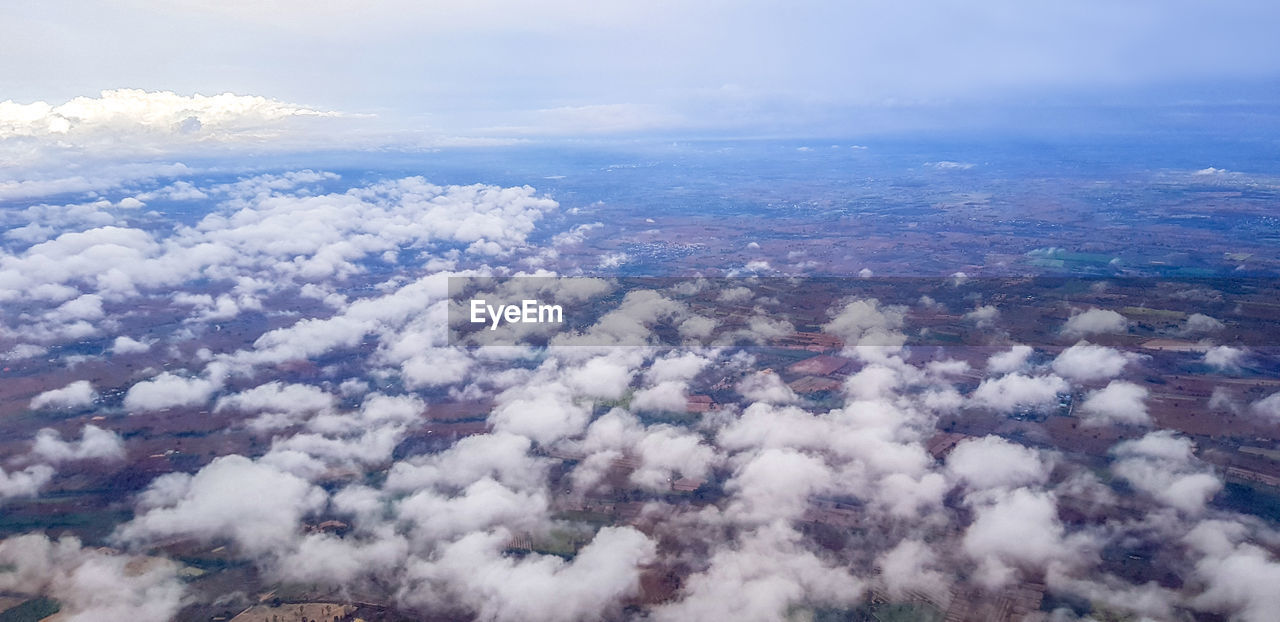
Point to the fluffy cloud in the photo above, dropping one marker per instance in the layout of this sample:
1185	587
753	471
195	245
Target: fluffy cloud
1162	465
992	462
78	394
866	322
1119	402
1019	529
1014	391
1013	360
1085	361
169	390
1224	357
24	483
1240	577
540	588
1267	407
91	584
147	113
128	345
913	566
254	504
759	578
94	443
1095	321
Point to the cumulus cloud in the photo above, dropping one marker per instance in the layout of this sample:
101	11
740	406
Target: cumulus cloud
1267	407
1162	465
913	566
1015	391
993	462
1085	361
147	113
1018	529
89	583
1224	358
1013	360
759	578
540	588
24	483
1119	402
1201	323
94	443
257	506
866	322
279	404
128	345
1094	322
78	394
1240	577
169	390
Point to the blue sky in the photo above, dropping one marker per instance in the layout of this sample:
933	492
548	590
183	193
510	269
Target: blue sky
558	67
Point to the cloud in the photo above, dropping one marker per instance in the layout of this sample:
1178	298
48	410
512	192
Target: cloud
759	578
866	322
1240	577
1267	407
124	344
1014	391
1162	465
169	390
78	394
775	484
984	316
993	462
1201	323
1224	358
94	443
539	588
24	483
138	113
1085	361
1016	529
280	404
257	506
913	566
89	583
1095	321
1119	402
1013	360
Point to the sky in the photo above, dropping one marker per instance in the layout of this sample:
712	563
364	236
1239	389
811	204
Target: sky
498	68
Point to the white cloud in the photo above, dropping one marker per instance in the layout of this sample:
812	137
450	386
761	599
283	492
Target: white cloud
537	588
78	394
91	583
866	322
1017	529
1224	357
94	443
148	114
24	483
671	396
1201	323
1095	321
759	578
256	505
1162	465
1267	407
128	345
993	462
1013	360
1014	391
169	390
1085	361
1119	402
